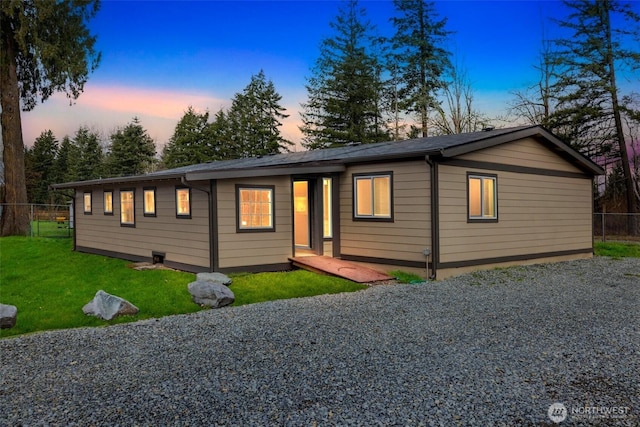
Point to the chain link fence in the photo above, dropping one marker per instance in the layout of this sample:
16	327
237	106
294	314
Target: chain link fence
49	220
616	226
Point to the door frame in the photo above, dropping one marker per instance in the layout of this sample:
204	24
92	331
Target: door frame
316	212
316	241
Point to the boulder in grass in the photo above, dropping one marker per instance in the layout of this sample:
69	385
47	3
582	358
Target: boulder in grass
223	279
8	315
107	306
212	294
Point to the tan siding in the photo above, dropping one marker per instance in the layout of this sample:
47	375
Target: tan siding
404	239
183	240
536	214
327	248
527	152
255	248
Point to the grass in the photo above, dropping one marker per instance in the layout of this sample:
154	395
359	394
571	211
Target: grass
261	287
43	228
49	283
404	277
617	250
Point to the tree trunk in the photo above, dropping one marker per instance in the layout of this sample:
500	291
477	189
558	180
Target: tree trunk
624	154
14	218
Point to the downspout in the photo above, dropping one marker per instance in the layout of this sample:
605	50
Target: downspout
183	181
212	225
433	170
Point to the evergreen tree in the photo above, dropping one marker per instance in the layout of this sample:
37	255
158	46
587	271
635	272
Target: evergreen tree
421	59
45	47
31	176
86	158
589	62
255	119
218	138
190	143
344	90
132	151
41	166
64	170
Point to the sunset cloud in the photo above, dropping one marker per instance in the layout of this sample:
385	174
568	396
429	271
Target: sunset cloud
105	108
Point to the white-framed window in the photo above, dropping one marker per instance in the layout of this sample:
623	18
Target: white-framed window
255	208
482	197
107	198
149	201
87	202
327	220
127	208
183	202
373	196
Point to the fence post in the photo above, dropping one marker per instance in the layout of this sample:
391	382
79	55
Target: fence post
31	220
603	237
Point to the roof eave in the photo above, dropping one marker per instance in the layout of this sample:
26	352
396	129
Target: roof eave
534	131
115	180
264	171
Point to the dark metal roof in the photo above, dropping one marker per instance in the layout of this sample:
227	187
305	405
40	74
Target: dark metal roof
335	159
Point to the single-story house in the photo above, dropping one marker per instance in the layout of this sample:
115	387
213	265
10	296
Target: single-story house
439	205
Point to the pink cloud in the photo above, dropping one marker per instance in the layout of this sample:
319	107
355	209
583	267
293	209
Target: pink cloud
105	108
152	102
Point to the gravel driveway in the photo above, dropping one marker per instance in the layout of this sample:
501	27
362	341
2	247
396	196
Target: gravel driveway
491	348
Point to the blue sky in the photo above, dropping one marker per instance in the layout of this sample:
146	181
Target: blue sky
160	57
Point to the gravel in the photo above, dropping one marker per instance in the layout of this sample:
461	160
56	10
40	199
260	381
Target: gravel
489	348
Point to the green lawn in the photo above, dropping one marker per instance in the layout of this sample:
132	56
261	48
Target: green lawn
617	250
49	283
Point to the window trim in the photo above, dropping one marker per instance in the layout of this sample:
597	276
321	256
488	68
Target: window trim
104	202
178	214
144	202
354	189
482	176
133	191
84	202
271	188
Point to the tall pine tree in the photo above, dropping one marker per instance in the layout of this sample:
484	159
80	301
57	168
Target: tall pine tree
420	57
45	47
344	91
41	167
86	159
255	118
589	63
189	143
132	151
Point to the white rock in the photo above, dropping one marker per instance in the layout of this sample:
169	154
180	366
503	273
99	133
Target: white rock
107	306
8	315
213	294
214	277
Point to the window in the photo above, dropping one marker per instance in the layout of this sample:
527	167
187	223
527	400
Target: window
127	208
183	202
255	208
87	203
149	200
372	197
327	225
107	196
483	198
